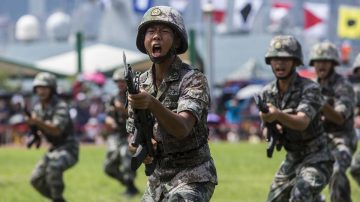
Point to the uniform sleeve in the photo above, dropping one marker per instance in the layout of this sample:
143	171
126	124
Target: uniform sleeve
344	100
61	118
311	100
194	95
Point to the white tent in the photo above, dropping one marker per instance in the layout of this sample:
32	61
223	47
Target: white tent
251	70
249	91
99	57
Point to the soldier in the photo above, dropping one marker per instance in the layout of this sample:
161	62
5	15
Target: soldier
118	158
294	104
178	98
52	119
355	165
337	116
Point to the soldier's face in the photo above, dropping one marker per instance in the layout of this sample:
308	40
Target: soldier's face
121	84
43	92
282	67
159	39
323	68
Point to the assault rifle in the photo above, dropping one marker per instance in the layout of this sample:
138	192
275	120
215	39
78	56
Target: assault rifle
273	137
33	133
143	126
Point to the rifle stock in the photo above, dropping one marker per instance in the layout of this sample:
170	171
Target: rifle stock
143	126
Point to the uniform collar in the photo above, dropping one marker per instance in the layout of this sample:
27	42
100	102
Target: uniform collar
172	75
295	80
331	79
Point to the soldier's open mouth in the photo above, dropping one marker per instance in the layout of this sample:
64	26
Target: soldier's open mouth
156	50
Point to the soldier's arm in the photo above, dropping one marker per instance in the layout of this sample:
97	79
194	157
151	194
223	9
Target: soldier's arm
332	115
193	100
58	123
297	121
110	122
120	107
46	126
177	124
344	103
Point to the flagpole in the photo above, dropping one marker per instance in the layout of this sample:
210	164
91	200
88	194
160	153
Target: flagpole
208	12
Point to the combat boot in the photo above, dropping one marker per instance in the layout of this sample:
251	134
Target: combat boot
131	190
59	200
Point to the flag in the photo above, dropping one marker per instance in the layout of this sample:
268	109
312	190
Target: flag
141	6
219	10
349	22
244	14
315	19
279	17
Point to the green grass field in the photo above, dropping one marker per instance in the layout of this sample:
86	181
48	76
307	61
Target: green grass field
244	172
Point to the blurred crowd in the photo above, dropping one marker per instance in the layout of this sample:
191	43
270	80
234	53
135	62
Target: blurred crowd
87	100
233	119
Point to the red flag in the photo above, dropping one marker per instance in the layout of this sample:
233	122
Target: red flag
315	19
219	10
279	11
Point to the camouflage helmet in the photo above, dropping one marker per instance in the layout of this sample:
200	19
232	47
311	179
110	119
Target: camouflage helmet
165	15
45	79
118	75
356	64
284	46
324	51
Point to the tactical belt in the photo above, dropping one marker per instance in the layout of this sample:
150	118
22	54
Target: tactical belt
190	158
306	147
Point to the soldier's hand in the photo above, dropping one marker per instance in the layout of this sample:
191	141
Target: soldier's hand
131	148
279	128
149	159
271	115
142	100
31	120
265	130
357	122
119	106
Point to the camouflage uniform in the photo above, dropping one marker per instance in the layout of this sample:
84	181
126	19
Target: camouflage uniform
308	164
118	158
185	170
355	165
63	153
339	93
183	165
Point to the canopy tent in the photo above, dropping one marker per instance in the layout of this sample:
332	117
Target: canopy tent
251	70
249	91
98	57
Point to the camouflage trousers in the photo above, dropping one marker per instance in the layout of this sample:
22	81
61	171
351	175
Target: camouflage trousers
355	167
342	150
300	180
197	191
47	177
118	160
